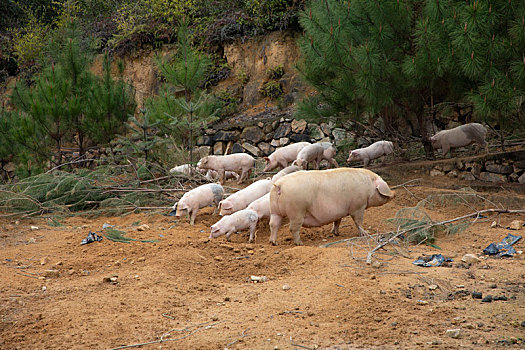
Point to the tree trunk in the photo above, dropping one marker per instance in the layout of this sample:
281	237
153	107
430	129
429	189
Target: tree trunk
425	139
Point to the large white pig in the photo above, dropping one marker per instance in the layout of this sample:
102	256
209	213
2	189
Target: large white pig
375	150
238	221
288	170
199	197
460	136
329	154
284	156
316	198
312	153
241	163
242	198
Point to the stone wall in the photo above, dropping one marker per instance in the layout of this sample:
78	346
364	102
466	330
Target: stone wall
495	168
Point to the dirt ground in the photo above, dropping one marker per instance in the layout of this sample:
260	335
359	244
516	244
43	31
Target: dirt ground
193	293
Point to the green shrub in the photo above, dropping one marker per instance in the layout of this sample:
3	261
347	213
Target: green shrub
271	89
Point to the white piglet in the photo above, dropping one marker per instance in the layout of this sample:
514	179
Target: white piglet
241	199
238	162
375	150
238	221
310	154
198	198
284	156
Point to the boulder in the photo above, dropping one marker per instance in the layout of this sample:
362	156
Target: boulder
340	136
204	140
226	136
237	148
253	150
283	141
467	176
325	128
436	172
252	134
491	177
218	148
202	151
300	138
283	130
275	143
499	169
266	148
315	131
299	126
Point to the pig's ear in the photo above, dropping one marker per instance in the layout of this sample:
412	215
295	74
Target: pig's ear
227	206
383	188
175	205
204	160
267	159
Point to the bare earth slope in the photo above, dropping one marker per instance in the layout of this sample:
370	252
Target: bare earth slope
197	294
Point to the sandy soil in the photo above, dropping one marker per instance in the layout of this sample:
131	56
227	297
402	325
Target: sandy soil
192	293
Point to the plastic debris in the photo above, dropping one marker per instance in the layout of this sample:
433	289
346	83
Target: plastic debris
91	237
432	260
504	248
105	226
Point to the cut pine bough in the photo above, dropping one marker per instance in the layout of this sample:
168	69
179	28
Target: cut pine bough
118	236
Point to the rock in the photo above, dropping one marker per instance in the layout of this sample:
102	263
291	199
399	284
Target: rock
467	177
487	299
500	298
214	318
452	173
258	279
433	287
143	227
43	261
474	168
477	295
265	148
34	228
514	177
340	136
275	143
299	126
141	259
204	140
237	148
286	287
453	333
251	149
268	128
111	279
283	141
282	131
226	136
499	169
326	128
218	148
459	164
203	151
494	224
470	259
491	177
521	179
51	273
252	134
436	172
315	131
516	225
446	167
218	258
300	138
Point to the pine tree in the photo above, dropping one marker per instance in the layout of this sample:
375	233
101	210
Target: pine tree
184	75
392	58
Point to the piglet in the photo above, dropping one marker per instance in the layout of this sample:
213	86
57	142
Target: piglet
460	136
312	153
186	169
242	198
288	170
199	197
329	154
238	221
284	156
228	175
262	207
375	150
238	162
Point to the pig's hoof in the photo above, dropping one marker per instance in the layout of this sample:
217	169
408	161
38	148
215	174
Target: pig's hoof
299	242
273	242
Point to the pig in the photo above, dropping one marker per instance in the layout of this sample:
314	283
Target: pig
288	170
242	198
375	150
262	207
319	197
228	175
460	136
329	154
235	222
312	153
238	162
186	169
284	156
199	197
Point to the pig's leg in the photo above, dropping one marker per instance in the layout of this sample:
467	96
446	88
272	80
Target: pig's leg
222	176
193	215
283	164
335	227
275	224
295	228
358	216
445	148
334	163
253	226
229	233
366	161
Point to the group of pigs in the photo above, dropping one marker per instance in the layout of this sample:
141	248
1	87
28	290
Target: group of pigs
306	198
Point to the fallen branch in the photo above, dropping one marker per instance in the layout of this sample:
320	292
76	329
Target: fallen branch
427	226
404	183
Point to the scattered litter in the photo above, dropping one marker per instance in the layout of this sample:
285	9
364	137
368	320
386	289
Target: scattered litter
258	279
91	237
504	248
34	228
172	213
106	225
432	260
